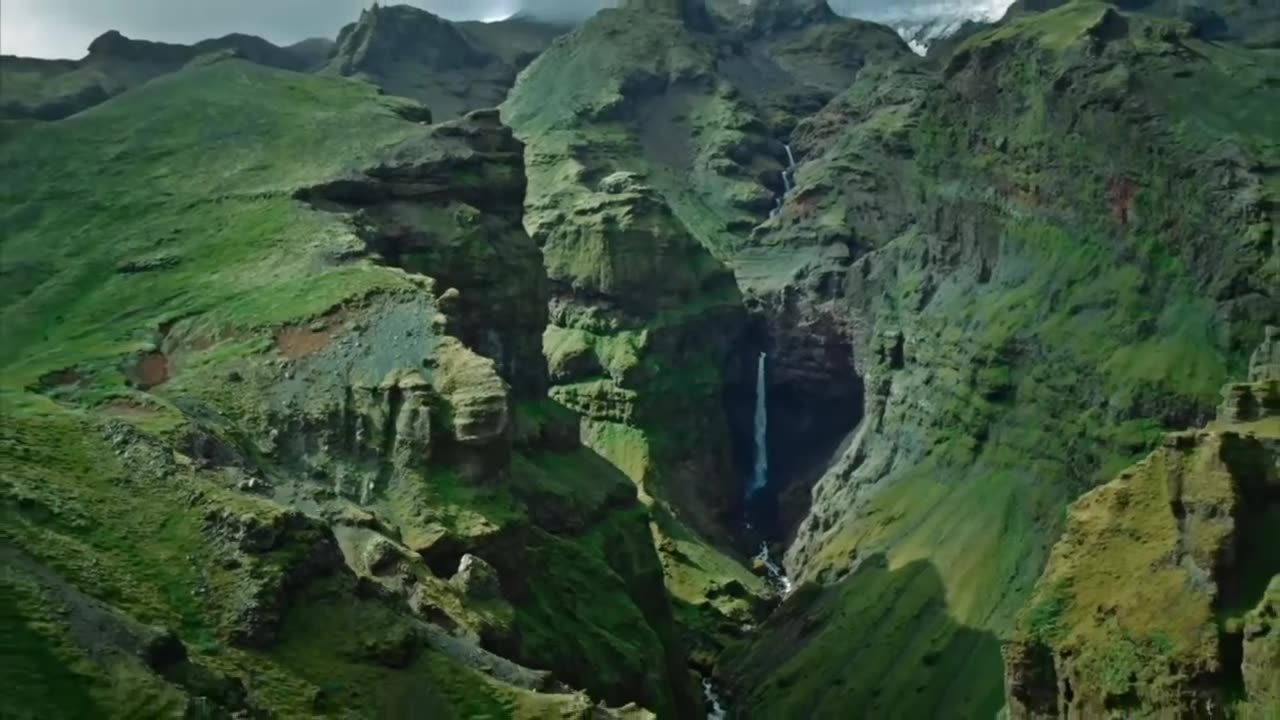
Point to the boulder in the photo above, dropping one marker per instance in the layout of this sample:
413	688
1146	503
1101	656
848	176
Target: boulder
477	579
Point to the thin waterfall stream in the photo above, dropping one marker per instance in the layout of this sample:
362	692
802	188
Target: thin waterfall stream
788	180
711	696
774	571
760	477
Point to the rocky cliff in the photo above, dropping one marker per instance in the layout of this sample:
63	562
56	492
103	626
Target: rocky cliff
453	68
286	450
1159	599
988	242
374	417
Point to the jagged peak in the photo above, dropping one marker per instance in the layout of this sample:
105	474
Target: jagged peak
113	43
386	33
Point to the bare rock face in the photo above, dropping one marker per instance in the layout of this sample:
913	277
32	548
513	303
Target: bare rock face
452	68
477	579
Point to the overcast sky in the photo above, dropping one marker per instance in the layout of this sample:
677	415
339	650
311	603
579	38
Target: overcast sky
64	28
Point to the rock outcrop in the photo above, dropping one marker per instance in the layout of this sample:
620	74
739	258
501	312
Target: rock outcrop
933	232
1138	613
452	68
336	393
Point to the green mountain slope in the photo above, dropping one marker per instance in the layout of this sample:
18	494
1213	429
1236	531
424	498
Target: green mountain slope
251	453
1050	257
54	89
312	407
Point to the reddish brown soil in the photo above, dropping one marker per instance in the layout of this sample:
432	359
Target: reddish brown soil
152	370
299	341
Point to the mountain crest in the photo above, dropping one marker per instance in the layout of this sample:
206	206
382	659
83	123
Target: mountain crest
692	12
387	35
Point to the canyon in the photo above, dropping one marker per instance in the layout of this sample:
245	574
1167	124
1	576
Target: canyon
705	359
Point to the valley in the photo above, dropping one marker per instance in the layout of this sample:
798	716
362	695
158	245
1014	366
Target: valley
704	359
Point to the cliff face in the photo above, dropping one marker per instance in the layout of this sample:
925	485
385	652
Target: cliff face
1155	601
376	417
452	68
650	155
287	449
976	243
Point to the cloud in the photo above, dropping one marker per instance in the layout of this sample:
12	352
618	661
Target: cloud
64	28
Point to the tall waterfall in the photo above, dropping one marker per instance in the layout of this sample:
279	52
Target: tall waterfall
760	478
788	179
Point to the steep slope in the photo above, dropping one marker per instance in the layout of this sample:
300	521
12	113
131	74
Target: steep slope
653	145
54	89
270	442
1155	601
1256	24
1036	261
452	68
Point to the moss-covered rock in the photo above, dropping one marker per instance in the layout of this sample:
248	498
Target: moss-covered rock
1137	613
281	443
976	242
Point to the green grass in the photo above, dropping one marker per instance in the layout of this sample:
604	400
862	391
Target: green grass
116	184
1059	336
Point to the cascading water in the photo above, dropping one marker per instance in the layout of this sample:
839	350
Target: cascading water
760	476
773	571
715	707
788	177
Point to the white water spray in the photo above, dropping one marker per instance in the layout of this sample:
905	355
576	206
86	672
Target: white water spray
788	180
776	576
760	478
715	707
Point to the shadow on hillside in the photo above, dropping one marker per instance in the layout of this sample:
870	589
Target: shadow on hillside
880	643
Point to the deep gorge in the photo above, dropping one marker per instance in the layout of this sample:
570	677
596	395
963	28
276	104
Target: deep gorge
332	390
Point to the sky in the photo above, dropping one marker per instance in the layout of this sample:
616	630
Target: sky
64	28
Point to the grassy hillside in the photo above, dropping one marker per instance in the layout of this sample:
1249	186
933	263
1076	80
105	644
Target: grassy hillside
245	450
1050	258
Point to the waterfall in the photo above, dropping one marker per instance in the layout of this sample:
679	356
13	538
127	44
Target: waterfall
715	708
788	177
760	478
773	571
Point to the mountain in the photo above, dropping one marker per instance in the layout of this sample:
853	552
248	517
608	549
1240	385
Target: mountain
54	89
286	438
740	347
1256	24
452	68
